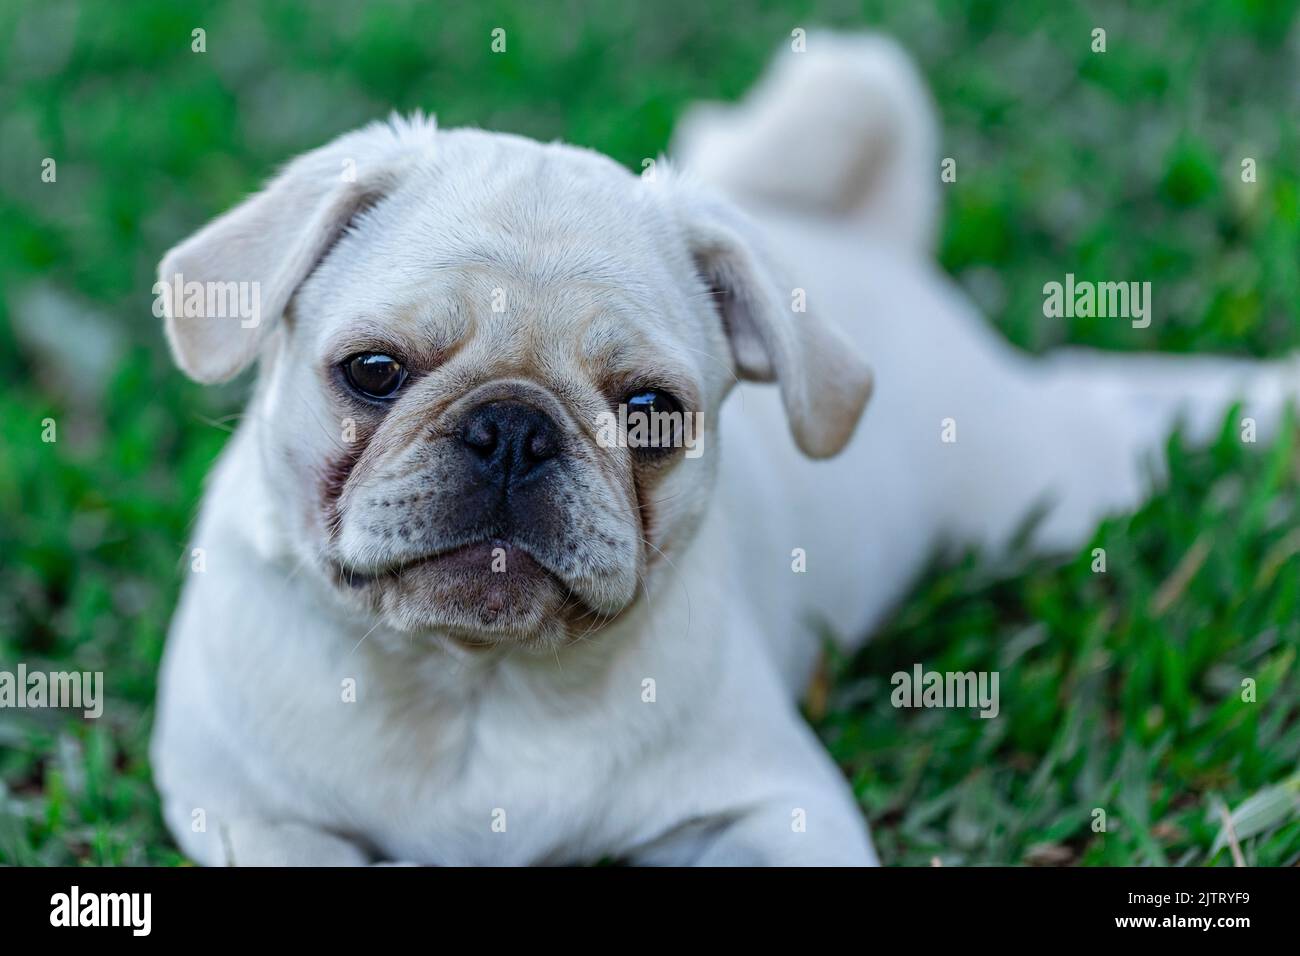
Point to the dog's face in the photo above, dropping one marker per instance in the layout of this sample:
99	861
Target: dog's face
492	371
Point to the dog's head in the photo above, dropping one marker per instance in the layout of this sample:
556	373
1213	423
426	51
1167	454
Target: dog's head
491	369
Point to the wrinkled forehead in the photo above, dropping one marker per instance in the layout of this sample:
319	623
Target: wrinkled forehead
522	248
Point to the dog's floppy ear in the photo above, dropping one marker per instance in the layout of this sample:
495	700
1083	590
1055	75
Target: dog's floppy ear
272	241
824	382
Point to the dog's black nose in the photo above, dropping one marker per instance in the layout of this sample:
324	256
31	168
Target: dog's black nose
510	442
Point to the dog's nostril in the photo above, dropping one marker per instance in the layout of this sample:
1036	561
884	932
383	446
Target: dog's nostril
480	434
542	444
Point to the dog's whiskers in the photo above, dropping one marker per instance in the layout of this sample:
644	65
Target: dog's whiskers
364	636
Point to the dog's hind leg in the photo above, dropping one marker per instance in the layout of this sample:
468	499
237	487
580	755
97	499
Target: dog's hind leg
1082	433
1159	390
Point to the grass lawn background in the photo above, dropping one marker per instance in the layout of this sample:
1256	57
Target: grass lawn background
1120	692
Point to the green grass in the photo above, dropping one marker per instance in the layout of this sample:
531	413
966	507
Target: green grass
1122	165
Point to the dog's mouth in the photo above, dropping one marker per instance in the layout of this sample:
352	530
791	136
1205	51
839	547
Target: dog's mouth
482	593
491	555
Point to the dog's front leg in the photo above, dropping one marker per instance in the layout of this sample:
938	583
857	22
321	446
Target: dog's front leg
252	841
784	830
781	833
263	843
775	799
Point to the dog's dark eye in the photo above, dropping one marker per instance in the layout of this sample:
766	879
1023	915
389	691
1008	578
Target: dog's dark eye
374	375
650	401
654	422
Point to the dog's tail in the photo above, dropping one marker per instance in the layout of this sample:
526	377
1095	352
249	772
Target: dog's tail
842	127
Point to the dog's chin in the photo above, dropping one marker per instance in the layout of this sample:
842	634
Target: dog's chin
482	595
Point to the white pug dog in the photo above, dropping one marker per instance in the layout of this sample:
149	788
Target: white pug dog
447	615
